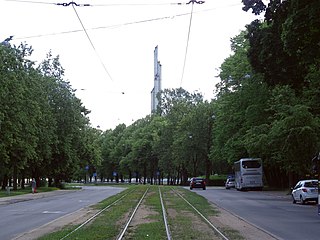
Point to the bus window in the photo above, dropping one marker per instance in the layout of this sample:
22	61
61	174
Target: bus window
251	164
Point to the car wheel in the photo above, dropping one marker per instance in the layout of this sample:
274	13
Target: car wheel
293	200
302	201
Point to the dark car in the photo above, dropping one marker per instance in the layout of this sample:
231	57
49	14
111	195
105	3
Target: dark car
197	182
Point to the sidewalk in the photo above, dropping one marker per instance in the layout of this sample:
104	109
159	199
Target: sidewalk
29	196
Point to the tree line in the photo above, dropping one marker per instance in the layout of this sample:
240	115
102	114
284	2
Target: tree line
266	105
44	128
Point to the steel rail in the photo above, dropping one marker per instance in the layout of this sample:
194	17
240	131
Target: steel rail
203	217
132	215
94	216
165	217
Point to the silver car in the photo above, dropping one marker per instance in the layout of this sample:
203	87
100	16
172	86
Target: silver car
230	183
305	191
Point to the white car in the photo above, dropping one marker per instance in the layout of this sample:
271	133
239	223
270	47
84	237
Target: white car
230	183
305	191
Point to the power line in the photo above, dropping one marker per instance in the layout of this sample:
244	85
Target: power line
124	24
105	27
187	45
100	5
84	29
36	2
188	37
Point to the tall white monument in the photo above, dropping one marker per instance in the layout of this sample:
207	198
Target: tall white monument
157	81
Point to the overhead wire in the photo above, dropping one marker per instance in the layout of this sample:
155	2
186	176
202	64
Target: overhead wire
92	45
187	46
99	5
105	27
26	1
124	24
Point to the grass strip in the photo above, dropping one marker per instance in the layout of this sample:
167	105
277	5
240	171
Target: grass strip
206	209
151	225
108	224
4	193
184	223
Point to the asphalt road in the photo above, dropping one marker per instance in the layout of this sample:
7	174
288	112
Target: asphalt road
19	215
273	212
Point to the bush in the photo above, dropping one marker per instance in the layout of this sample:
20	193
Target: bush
43	182
217	180
61	185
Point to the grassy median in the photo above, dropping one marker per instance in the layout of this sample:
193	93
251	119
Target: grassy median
184	222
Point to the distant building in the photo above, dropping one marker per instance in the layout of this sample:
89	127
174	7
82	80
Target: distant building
157	81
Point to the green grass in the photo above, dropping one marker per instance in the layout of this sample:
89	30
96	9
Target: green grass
4	193
184	222
154	227
107	225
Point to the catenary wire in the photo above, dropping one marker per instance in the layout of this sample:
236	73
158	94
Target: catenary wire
125	24
99	5
187	45
36	2
92	45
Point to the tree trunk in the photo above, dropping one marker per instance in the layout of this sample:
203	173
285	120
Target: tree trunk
130	176
49	182
15	178
144	174
208	169
4	182
22	182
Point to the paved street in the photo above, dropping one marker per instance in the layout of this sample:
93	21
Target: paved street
272	211
23	213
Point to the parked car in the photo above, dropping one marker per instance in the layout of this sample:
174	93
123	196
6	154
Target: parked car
196	182
305	191
230	183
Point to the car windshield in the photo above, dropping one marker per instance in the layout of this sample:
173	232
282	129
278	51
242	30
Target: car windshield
311	184
198	179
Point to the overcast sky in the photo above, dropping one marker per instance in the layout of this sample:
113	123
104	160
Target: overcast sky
123	36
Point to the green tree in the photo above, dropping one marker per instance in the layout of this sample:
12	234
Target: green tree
70	119
20	109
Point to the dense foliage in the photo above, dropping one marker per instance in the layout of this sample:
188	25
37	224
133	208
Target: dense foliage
43	126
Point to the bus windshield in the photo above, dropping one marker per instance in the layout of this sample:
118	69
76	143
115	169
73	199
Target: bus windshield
251	164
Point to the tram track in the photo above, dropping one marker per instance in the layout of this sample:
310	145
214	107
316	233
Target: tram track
95	215
166	220
163	212
216	230
164	216
131	216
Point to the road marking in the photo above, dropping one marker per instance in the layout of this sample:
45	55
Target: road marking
51	212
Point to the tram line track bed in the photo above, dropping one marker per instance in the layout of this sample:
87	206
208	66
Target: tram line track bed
148	223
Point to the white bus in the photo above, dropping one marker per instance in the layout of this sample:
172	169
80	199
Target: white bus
248	174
